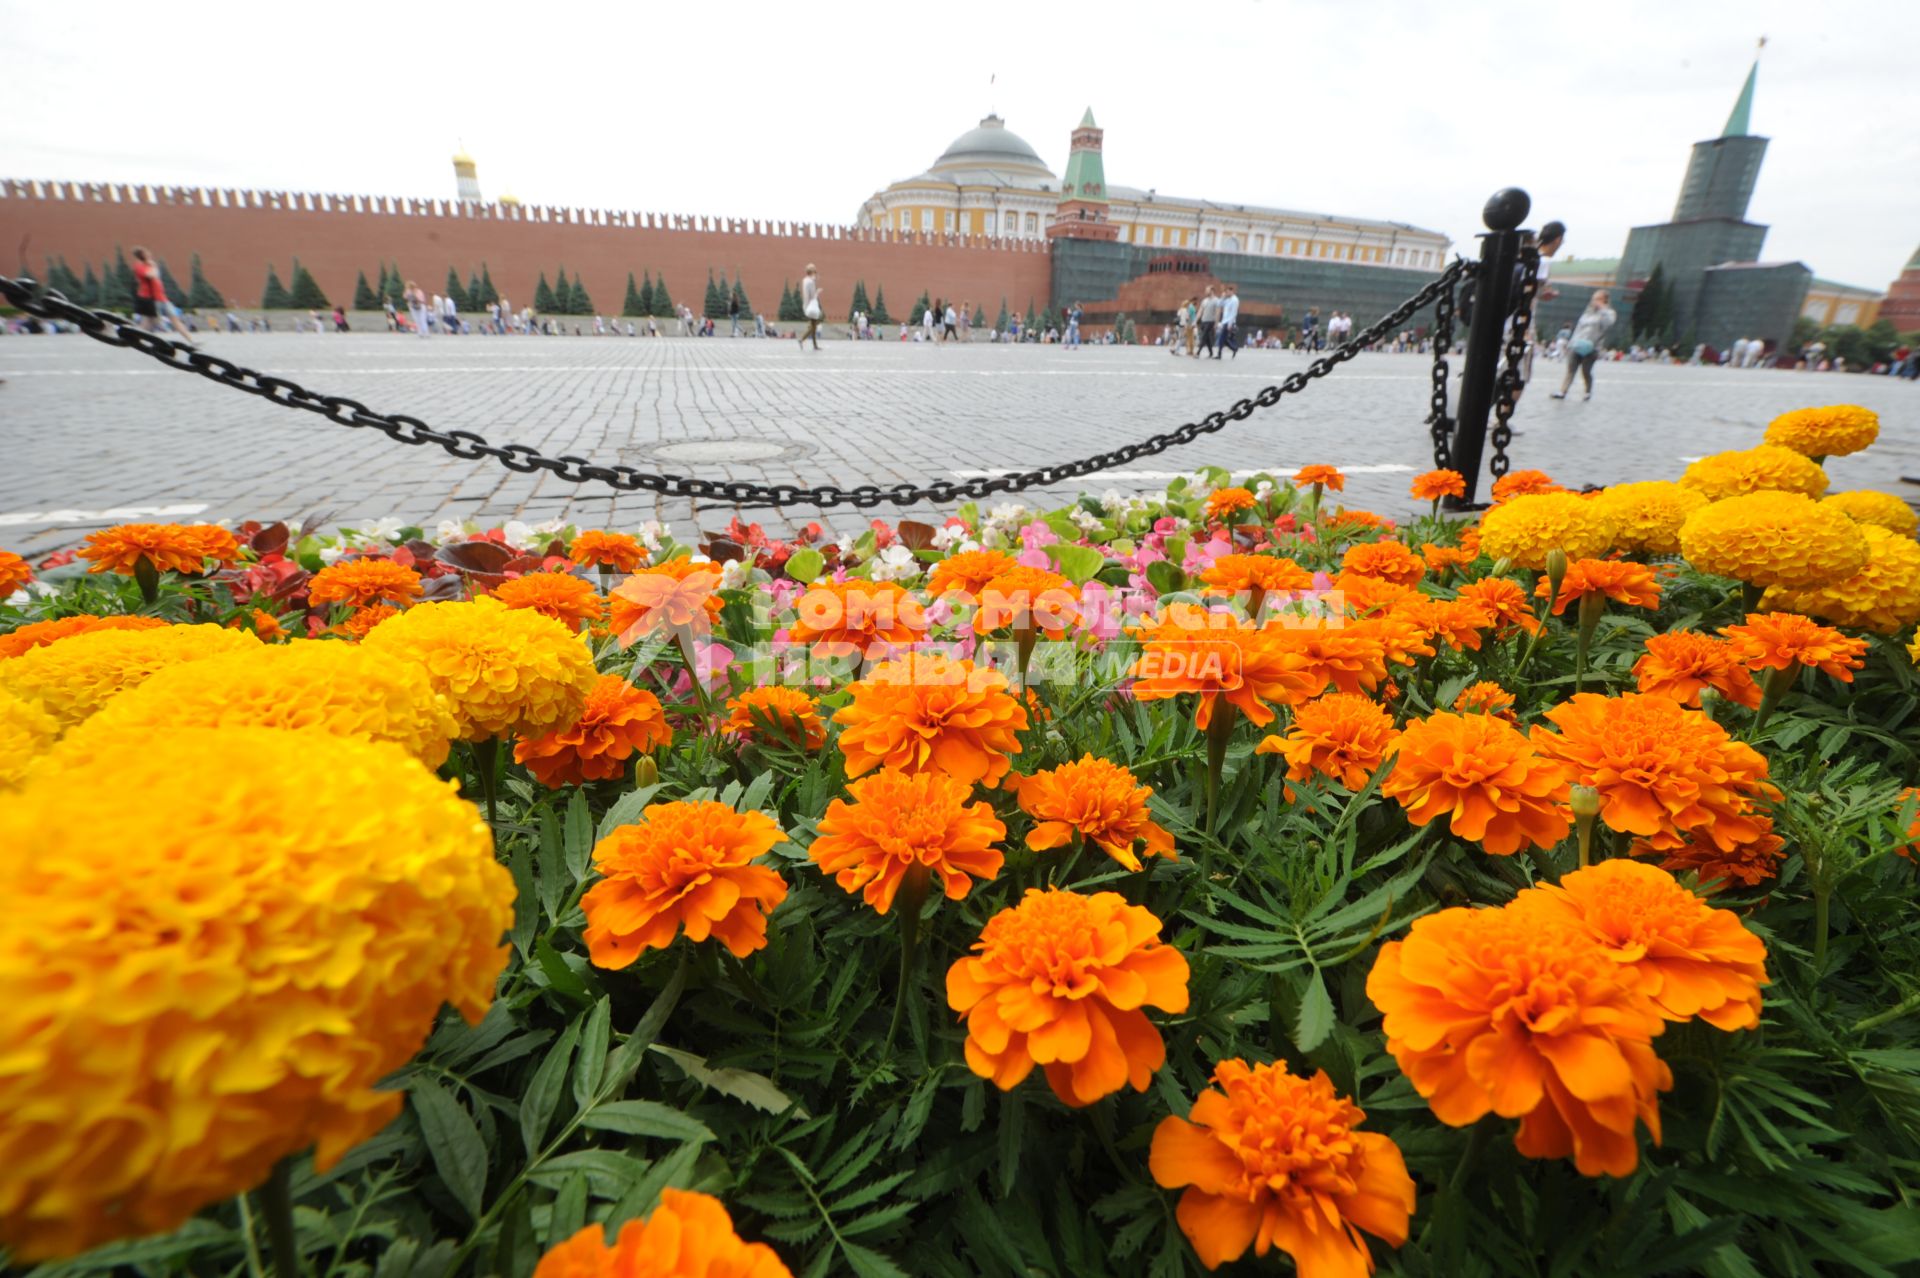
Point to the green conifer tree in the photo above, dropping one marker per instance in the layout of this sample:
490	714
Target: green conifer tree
712	306
646	293
578	303
489	295
476	297
920	306
784	312
879	312
1000	324
1026	325
380	289
201	294
860	302
275	296
364	298
562	294
306	294
662	300
89	294
543	296
116	283
740	296
171	286
396	289
457	291
630	304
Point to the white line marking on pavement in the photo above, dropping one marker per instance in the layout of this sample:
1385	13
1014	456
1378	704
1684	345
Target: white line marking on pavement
113	515
1384	468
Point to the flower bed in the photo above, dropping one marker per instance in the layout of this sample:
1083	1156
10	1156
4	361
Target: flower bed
1140	887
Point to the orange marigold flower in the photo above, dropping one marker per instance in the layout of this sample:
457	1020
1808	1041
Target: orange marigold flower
1216	656
1223	502
1480	773
1254	575
1457	621
559	595
1484	697
858	618
1780	640
1359	519
928	712
619	720
1750	863
1441	558
168	547
1689	958
689	1235
1661	769
968	571
1682	663
1519	483
358	583
1913	830
15	572
617	551
1098	800
1499	1011
39	634
1027	599
1275	1159
1400	638
1505	601
1432	485
1059	981
362	620
682	865
788	713
1342	735
677	594
1327	476
903	826
264	624
1365	595
1352	658
1388	559
1619	580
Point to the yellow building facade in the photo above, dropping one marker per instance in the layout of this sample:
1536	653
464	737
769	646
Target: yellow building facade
1830	302
991	182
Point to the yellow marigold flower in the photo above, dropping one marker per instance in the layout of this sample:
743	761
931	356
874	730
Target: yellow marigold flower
1690	959
1766	468
1524	529
1833	430
1060	981
39	634
1870	506
1272	1159
927	711
73	678
681	865
1883	597
559	595
221	974
25	733
1784	640
905	827
359	583
613	551
307	686
359	623
1327	476
1521	483
1774	539
1223	502
504	672
689	1235
1341	735
1647	516
967	572
168	547
1388	559
617	721
1098	800
1500	1011
1432	485
15	572
1913	650
788	714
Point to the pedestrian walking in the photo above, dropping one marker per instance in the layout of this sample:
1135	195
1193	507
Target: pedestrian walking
150	298
1209	320
1310	329
1583	348
1229	322
417	307
966	324
1073	326
929	319
733	313
811	305
949	324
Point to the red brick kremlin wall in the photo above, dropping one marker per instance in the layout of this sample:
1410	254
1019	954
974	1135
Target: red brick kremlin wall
238	233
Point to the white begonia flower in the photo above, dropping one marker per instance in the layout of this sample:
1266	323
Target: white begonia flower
517	533
1084	519
650	533
385	529
947	535
733	574
1262	488
548	527
449	530
332	554
894	563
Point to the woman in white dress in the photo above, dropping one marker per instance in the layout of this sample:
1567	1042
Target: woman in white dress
810	305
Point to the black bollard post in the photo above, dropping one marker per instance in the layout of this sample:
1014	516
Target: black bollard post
1492	303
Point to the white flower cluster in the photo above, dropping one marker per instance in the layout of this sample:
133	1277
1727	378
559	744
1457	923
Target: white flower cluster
895	563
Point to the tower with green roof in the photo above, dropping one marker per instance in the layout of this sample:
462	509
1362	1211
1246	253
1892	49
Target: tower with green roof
1082	214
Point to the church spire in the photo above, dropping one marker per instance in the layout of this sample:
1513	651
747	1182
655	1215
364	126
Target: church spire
1740	123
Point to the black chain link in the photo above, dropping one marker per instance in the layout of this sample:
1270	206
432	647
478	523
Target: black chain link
115	330
1507	388
1439	420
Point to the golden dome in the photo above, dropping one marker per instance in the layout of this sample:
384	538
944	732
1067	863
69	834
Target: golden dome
508	197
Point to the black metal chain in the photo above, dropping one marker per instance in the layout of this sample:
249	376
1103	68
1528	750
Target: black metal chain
1439	420
1507	388
115	330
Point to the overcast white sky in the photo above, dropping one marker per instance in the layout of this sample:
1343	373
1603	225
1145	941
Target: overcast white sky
1389	109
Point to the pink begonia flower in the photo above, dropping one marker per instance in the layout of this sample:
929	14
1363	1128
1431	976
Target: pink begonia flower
1200	556
1100	610
940	611
1038	534
1034	557
1322	582
710	662
1166	525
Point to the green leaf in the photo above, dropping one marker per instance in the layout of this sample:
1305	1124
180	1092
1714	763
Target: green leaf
1166	576
579	835
526	905
1012	1130
609	1173
626	1059
626	809
562	978
1315	1021
569	1210
644	1193
867	1263
647	1118
593	1053
459	1155
1077	564
756	1090
806	564
543	1092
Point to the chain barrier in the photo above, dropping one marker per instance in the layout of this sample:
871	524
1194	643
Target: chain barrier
1507	388
1439	420
115	330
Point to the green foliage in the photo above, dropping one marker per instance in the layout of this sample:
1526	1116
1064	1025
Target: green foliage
275	296
789	304
920	305
200	293
740	302
89	288
1882	340
562	295
364	297
662	301
396	287
489	295
117	283
457	291
631	304
1805	330
578	301
543	296
1000	321
175	294
879	313
859	302
306	293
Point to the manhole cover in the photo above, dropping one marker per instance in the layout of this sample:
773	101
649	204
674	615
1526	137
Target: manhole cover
726	450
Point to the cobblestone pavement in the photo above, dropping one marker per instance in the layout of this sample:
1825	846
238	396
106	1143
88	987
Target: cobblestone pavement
91	436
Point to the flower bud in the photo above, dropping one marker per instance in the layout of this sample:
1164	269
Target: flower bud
645	771
1556	573
1585	801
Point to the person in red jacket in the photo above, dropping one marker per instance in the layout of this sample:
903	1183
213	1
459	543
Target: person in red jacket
150	296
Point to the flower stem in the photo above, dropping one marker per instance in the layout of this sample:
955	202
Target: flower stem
1822	906
148	578
1893	1013
1750	596
276	1203
1592	607
912	895
1778	681
486	766
1219	732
